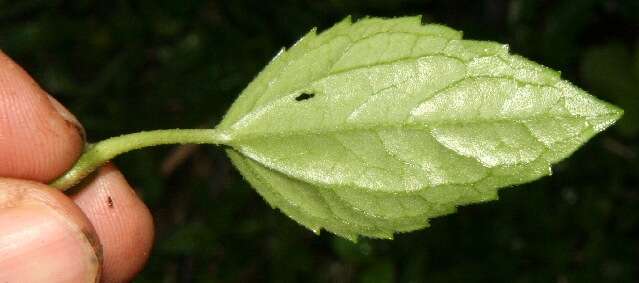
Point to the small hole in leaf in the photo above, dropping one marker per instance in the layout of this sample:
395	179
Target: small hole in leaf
304	96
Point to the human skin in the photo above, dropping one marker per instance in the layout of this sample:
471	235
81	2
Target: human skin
101	233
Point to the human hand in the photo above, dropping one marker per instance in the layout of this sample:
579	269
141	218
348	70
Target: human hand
45	235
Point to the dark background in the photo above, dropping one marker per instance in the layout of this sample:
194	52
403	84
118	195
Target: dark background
125	66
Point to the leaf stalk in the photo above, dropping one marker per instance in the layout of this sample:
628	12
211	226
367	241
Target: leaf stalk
96	155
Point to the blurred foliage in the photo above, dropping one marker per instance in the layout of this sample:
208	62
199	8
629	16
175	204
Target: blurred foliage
125	66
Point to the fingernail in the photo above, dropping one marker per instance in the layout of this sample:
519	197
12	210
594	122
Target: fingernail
38	245
68	116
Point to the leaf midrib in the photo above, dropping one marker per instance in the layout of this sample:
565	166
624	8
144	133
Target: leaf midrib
405	126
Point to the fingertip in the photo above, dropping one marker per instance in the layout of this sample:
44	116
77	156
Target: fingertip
122	221
39	138
44	237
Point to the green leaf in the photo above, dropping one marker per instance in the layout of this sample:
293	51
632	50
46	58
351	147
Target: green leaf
374	127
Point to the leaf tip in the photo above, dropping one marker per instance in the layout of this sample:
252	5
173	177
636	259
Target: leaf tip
607	117
617	112
614	114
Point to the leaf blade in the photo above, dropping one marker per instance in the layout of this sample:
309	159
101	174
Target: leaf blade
401	122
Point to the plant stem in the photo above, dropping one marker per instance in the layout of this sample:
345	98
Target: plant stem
96	155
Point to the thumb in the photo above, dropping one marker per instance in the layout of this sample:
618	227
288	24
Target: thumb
44	237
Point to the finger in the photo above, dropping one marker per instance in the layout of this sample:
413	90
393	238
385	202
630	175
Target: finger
122	221
39	138
44	236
